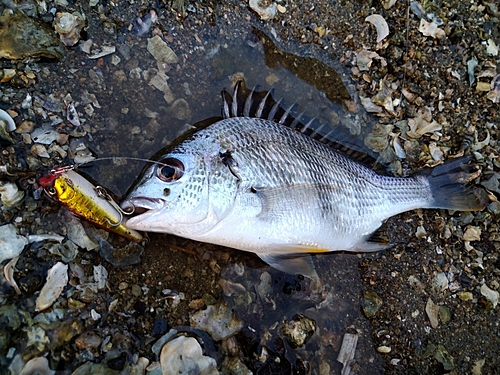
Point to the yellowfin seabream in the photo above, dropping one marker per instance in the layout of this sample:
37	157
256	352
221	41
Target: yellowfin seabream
256	185
84	199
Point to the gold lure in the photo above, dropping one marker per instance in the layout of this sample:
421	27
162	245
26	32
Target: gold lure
90	202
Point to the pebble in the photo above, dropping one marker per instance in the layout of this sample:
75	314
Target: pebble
384	349
371	303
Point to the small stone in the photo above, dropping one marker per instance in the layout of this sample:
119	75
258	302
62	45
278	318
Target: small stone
441	282
371	303
384	349
431	29
465	296
10	195
57	279
421	232
209	299
444	314
432	311
136	290
160	326
88	340
477	368
180	109
443	357
196	304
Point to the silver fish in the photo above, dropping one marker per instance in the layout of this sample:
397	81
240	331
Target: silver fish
257	185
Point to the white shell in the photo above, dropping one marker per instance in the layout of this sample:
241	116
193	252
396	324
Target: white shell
380	24
105	50
430	29
11	125
10	194
8	273
265	13
100	276
57	279
491	295
218	320
37	365
69	26
184	355
161	51
11	244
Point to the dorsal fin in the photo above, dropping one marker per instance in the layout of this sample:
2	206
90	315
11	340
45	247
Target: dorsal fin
261	104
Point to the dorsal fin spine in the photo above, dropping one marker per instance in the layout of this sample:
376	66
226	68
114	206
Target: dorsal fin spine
274	109
287	113
234	105
248	103
262	105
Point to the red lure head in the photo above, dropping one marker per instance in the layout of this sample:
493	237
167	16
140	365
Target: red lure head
48	180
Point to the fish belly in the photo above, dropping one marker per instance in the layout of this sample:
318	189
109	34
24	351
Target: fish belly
298	219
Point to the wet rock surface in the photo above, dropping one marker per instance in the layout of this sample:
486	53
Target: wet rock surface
427	92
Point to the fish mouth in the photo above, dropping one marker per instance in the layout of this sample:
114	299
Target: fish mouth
140	205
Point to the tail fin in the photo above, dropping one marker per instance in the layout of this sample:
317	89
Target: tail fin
447	186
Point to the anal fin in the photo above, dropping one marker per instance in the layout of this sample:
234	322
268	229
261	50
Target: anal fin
376	241
292	264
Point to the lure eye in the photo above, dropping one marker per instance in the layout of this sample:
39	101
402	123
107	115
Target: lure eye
51	190
170	170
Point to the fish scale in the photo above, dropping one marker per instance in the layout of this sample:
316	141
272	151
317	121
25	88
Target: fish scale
273	191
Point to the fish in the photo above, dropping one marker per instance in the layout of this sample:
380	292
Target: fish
254	184
85	200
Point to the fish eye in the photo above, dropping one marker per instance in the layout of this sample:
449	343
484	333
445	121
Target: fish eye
170	170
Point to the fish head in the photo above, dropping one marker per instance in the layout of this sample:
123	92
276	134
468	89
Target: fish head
186	193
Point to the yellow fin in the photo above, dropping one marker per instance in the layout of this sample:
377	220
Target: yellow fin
299	249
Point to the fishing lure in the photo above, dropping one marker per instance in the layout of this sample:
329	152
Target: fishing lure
93	203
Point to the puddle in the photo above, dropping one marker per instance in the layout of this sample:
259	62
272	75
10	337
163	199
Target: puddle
174	262
177	276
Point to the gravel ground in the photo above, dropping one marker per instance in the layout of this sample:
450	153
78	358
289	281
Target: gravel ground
411	95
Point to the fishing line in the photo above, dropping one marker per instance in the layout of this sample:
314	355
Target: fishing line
77	165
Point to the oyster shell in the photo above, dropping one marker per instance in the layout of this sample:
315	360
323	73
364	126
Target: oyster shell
10	194
69	26
184	355
11	244
57	279
22	37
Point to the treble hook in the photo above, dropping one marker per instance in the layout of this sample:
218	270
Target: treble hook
101	192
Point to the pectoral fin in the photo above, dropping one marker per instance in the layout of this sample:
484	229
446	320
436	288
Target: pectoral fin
292	264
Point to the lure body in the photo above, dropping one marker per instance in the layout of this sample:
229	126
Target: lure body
87	201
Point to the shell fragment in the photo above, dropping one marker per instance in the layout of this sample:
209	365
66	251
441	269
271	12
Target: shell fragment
57	279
